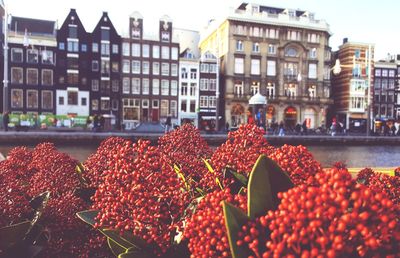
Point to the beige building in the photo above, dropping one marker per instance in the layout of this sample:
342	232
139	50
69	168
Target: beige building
283	54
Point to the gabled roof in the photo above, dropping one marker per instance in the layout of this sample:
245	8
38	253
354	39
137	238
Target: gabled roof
33	26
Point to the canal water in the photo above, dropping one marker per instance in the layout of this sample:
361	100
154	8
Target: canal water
353	156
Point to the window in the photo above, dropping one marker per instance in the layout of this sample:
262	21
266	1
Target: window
173	108
145	103
17	76
32	56
312	71
184	89
174	53
125	49
204	84
174	70
17	98
114	104
126	66
135	49
312	91
313	38
327	73
155	103
135	67
164	52
255	66
272	33
272	49
270	90
84	81
135	86
95	48
239	45
238	89
291	52
115	85
193	87
72	31
126	85
72	45
105	103
156	87
184	105
239	65
146	50
384	83
105	33
204	68
290	90
105	49
164	87
95	104
213	84
390	97
95	66
193	73
212	103
72	97
135	33
391	84
313	53
241	30
83	47
391	73
61	46
61	101
47	57
32	76
174	88
384	73
378	72
47	99
115	49
184	73
95	85
213	68
293	35
146	67
271	68
165	69
255	88
164	107
83	101
156	51
32	99
357	104
256	32
256	48
16	55
357	53
47	77
145	86
192	107
203	101
115	67
165	36
156	68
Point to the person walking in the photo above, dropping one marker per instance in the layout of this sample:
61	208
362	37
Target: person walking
168	124
333	128
304	127
6	120
281	129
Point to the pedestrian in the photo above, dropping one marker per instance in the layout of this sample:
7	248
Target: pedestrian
6	120
393	128
227	126
304	127
281	129
102	121
333	128
95	122
168	123
297	129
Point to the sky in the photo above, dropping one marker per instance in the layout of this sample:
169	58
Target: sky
368	21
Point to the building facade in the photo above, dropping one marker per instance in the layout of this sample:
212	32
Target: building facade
283	54
149	74
73	67
31	68
105	76
350	86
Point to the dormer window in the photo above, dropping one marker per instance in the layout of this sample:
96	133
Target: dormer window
135	33
165	36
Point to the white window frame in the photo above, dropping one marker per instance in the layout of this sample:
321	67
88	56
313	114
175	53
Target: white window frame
239	65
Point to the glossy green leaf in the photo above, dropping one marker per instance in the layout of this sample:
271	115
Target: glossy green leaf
88	216
239	177
266	180
39	203
235	218
127	240
116	249
134	253
13	234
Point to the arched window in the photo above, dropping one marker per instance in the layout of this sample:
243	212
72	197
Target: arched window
291	52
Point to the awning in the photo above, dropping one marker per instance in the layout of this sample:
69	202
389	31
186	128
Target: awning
258	99
209	117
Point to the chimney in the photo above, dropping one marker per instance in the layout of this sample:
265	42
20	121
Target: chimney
345	40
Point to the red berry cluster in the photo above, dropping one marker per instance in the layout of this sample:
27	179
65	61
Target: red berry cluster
186	148
55	171
206	230
297	161
336	218
241	150
141	195
381	182
100	161
14	185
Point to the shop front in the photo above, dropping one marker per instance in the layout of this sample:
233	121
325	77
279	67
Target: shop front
290	117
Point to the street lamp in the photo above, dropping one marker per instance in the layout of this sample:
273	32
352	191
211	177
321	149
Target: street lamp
337	68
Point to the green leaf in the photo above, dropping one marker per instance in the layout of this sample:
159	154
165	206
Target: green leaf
127	241
85	193
39	203
13	234
116	249
88	216
239	177
210	169
235	218
135	253
266	180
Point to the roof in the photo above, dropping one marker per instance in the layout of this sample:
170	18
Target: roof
33	26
